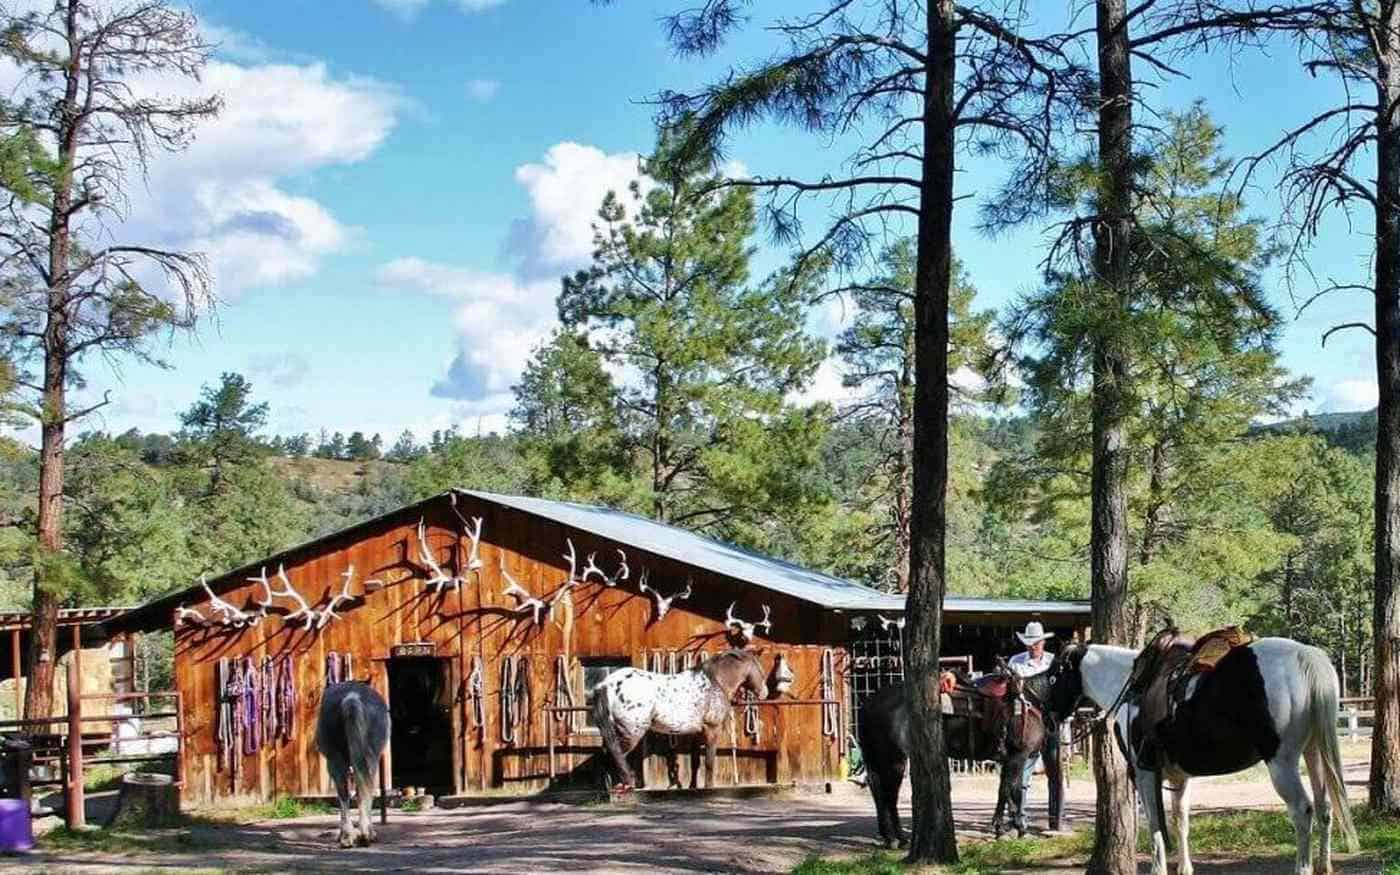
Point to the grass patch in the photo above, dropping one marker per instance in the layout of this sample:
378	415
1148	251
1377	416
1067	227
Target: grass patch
106	841
975	858
282	808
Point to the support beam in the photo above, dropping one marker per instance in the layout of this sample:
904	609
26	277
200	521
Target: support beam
15	664
77	818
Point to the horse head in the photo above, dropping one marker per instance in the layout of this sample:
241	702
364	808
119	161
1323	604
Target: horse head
1066	684
735	668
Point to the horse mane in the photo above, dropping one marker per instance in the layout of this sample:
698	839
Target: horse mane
732	654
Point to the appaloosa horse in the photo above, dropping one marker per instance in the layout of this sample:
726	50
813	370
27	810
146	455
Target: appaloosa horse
997	717
1273	700
351	732
629	702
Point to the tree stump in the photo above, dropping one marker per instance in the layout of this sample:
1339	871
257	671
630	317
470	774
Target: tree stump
146	800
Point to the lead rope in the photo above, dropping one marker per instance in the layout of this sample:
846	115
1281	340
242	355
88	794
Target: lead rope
269	699
752	725
287	699
524	701
564	694
830	715
223	735
476	692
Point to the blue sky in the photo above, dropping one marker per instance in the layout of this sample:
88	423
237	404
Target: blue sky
395	187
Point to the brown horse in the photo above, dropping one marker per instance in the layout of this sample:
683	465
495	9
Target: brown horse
993	718
630	702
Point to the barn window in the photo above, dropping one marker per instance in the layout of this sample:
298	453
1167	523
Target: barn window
595	668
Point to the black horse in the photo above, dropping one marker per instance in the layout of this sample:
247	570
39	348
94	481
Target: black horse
351	732
997	717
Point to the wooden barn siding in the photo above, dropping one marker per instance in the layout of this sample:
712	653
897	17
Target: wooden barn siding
476	620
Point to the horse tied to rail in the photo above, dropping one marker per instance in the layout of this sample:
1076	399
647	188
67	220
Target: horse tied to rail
630	702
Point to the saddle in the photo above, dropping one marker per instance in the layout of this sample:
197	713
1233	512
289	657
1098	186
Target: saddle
989	703
1160	679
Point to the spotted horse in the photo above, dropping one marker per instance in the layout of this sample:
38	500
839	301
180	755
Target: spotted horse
629	702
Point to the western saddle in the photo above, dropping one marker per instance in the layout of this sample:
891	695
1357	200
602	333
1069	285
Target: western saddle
988	703
1160	678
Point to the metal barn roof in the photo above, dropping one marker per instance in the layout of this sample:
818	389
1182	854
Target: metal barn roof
686	546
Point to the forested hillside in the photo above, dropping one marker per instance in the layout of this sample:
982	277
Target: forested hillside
1271	529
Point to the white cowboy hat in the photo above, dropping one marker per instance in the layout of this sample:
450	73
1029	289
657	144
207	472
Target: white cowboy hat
1034	632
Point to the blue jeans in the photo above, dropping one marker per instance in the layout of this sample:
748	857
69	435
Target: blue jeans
1027	772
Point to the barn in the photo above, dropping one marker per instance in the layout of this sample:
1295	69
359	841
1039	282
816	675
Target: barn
485	618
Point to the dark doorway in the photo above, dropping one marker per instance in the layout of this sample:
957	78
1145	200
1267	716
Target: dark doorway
421	736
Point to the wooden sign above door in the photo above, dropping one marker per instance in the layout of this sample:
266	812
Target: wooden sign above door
420	648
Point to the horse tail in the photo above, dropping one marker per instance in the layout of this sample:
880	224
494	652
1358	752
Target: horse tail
602	713
1323	687
360	735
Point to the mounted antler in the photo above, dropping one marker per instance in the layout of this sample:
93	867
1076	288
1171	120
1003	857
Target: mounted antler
886	623
474	555
620	575
328	613
303	611
663	605
743	630
228	614
425	556
527	601
183	613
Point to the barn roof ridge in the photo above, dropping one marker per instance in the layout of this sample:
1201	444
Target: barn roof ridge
683	545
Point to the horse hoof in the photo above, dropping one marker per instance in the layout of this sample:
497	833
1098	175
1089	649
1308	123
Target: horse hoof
368	838
349	839
902	844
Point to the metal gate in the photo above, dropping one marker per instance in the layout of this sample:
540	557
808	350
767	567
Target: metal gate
877	660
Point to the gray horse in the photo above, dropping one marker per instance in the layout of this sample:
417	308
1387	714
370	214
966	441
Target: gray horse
351	733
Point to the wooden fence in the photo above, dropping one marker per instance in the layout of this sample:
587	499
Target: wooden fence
67	749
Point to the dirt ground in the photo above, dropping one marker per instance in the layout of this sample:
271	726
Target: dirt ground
768	835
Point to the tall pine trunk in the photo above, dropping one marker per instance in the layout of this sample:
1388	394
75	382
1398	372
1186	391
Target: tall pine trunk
933	840
43	650
1116	815
904	466
1385	742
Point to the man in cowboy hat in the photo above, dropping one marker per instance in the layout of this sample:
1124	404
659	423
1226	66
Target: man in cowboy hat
1033	660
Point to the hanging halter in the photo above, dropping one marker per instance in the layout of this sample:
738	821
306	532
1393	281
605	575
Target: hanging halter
223	735
332	668
753	727
831	717
269	699
286	699
248	707
515	695
476	692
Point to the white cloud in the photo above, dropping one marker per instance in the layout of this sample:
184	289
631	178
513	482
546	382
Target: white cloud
283	370
409	9
482	90
825	386
224	196
500	317
1349	395
498	320
565	192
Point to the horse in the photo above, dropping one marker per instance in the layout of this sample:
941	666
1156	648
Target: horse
629	702
1273	700
1009	730
351	731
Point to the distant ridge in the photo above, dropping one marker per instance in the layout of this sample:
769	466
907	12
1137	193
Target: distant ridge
1351	430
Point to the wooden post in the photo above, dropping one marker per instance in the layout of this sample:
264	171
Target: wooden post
1352	723
78	653
15	664
75	804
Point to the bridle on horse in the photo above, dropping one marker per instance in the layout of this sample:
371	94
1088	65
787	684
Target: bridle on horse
1105	715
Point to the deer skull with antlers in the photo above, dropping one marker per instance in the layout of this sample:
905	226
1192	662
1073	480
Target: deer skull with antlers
744	631
618	576
526	601
886	623
184	614
663	605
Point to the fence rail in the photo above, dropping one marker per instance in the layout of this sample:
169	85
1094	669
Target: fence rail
1355	710
66	747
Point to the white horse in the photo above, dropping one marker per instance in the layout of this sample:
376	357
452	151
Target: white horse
1273	700
629	702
